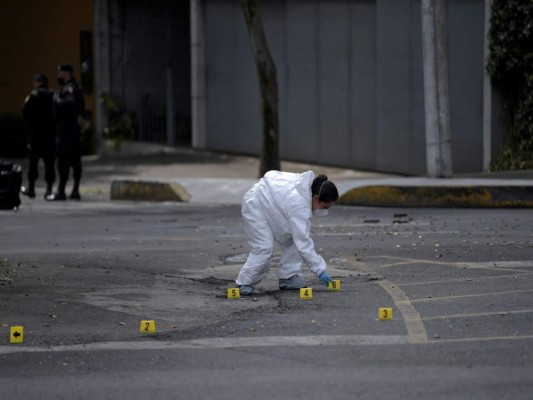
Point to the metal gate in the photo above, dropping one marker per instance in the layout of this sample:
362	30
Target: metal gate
150	67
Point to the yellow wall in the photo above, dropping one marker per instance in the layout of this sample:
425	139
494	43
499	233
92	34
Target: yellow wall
36	35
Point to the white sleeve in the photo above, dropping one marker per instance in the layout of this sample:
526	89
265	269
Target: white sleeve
300	226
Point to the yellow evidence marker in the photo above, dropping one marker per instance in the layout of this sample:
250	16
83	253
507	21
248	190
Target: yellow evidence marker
385	313
17	334
306	293
234	293
147	326
335	285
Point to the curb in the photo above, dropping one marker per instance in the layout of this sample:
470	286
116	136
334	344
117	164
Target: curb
139	190
440	196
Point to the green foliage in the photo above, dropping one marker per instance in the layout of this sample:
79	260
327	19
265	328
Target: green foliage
13	135
511	67
122	125
515	155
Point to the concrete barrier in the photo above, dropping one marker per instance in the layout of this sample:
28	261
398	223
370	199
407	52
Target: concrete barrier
148	191
440	196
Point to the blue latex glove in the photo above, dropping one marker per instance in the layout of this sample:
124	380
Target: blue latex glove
325	278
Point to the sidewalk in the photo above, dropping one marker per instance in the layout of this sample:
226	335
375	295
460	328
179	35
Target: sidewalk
208	177
167	174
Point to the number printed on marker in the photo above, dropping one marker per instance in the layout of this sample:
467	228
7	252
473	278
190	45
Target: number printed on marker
306	293
385	313
147	326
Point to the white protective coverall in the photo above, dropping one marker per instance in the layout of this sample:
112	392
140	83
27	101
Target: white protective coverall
278	208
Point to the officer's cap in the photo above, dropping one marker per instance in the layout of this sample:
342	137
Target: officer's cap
65	68
40	78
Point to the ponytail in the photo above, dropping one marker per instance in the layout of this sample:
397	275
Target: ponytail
325	189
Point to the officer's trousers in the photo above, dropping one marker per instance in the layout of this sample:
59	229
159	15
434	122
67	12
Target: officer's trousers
48	156
65	161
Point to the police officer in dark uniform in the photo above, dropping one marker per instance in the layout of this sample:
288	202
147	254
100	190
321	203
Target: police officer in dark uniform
69	105
38	111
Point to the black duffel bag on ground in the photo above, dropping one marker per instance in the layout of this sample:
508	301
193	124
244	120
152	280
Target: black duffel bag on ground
10	182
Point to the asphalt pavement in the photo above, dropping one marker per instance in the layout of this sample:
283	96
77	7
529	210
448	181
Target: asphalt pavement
80	277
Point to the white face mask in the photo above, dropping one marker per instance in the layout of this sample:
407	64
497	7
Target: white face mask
320	212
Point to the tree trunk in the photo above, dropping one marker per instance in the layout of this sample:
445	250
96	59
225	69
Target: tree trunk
268	85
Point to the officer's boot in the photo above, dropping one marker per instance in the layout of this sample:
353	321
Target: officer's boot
48	190
60	194
75	194
29	190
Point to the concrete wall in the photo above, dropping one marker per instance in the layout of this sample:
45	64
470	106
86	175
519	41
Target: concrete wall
350	82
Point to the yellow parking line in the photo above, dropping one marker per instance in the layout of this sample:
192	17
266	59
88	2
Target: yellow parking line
415	328
416	331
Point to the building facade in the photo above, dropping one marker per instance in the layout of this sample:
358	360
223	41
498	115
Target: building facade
350	76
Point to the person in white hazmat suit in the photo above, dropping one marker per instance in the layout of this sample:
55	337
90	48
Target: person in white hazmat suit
279	209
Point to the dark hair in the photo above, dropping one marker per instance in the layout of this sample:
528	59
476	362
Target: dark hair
40	78
325	189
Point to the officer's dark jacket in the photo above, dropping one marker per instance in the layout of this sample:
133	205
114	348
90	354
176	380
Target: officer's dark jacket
69	105
38	111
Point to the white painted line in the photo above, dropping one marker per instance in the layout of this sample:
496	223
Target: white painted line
468	296
219	343
499	264
232	343
476	279
475	315
481	339
491	265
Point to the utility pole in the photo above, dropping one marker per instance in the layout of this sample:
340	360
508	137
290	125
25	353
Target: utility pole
198	75
436	93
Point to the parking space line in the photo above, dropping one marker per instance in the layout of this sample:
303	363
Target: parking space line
219	343
482	339
426	299
512	266
413	322
465	279
251	342
474	315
